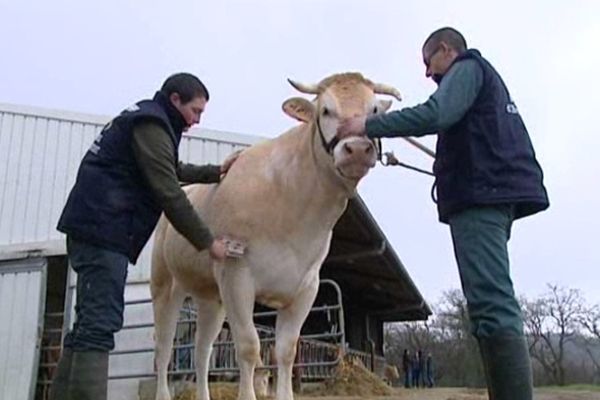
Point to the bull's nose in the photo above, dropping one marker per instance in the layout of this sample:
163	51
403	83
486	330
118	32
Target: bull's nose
348	148
358	148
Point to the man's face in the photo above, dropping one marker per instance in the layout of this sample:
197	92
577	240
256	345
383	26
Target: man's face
437	59
191	111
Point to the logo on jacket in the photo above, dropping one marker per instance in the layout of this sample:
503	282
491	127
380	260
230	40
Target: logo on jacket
511	108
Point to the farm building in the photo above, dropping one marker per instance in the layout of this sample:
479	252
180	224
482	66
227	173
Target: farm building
364	281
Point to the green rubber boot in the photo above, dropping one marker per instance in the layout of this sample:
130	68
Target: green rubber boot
507	367
58	388
89	376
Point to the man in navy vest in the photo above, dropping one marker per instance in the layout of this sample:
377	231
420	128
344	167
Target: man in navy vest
486	177
128	177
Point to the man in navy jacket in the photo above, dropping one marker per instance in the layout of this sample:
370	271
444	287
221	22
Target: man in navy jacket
128	177
486	177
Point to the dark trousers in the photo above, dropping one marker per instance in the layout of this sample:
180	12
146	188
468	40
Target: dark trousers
480	236
429	378
101	276
416	377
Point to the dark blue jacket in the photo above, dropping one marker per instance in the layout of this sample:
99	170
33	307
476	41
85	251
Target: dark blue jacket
487	157
110	205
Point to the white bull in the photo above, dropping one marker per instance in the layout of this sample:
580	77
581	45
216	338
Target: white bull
282	197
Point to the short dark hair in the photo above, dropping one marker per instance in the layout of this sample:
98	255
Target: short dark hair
186	85
450	36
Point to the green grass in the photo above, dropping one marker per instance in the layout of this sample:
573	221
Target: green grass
581	387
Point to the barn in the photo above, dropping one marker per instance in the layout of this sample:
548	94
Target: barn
364	282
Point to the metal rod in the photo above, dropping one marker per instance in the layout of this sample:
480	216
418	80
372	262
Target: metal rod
143	301
420	146
54	314
218	371
274	313
223	343
193	321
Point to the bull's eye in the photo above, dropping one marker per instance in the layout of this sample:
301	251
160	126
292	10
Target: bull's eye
375	110
325	111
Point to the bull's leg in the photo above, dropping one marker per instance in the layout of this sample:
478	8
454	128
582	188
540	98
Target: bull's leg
209	321
237	292
289	323
166	300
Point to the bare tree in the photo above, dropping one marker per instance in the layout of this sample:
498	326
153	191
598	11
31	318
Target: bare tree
409	335
552	321
446	336
563	334
454	315
590	321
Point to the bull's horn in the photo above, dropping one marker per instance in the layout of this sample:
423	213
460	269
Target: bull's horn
381	88
303	88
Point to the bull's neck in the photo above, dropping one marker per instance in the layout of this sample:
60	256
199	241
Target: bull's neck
310	167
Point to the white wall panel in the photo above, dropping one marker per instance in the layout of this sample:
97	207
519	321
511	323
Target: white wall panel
22	298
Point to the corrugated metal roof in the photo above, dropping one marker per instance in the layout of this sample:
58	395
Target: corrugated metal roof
363	262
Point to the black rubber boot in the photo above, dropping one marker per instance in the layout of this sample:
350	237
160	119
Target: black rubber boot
58	388
507	367
89	375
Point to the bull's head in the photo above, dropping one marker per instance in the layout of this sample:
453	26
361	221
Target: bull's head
338	97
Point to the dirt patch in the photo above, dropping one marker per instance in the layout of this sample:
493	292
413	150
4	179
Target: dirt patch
218	391
355	382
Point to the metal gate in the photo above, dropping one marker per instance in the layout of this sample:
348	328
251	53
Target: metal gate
318	352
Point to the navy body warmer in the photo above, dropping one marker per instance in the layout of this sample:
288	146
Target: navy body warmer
487	157
111	205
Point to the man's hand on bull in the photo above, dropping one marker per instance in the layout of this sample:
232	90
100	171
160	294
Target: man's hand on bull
218	250
229	161
227	247
354	126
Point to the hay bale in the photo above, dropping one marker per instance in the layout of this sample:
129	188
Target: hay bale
352	378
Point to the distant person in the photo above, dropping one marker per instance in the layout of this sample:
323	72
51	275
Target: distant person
429	369
406	367
486	176
416	370
421	368
128	177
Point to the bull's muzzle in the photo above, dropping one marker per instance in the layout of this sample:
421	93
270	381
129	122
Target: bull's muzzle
355	156
358	148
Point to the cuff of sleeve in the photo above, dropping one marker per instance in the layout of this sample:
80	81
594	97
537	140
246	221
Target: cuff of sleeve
371	126
206	242
217	172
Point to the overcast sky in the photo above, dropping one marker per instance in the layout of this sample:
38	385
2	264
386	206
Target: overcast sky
98	57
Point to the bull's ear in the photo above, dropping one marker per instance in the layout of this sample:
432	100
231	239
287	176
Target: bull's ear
384	105
299	108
